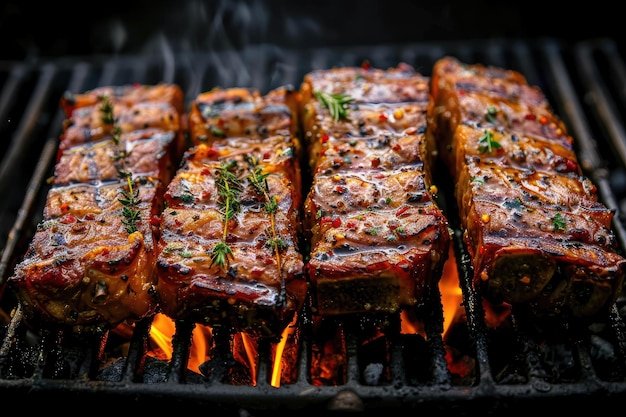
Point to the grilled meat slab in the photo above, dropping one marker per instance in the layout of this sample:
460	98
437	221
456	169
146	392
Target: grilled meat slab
532	221
378	239
229	254
91	262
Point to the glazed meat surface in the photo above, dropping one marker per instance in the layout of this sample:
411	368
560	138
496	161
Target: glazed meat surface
378	240
229	254
91	262
534	227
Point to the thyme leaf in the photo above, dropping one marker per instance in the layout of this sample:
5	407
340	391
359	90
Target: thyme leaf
491	113
335	103
487	143
558	221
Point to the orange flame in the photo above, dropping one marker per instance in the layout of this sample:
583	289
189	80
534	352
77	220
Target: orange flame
249	347
279	360
450	290
161	334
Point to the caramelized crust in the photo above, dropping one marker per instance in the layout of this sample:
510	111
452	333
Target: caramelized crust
261	285
86	267
378	240
532	222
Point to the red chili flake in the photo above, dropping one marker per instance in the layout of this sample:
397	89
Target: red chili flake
257	272
351	225
65	207
326	219
543	120
579	235
90	216
461	92
401	210
396	147
105	251
336	222
205	171
375	162
366	65
267	155
324	138
340	189
178	222
382	117
323	152
571	165
68	218
530	116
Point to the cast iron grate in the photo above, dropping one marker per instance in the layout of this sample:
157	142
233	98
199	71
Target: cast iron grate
516	367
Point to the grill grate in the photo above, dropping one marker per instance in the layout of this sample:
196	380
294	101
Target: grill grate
516	368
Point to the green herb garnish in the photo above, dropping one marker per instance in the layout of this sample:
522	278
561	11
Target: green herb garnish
228	189
258	180
490	116
335	103
129	200
487	143
558	221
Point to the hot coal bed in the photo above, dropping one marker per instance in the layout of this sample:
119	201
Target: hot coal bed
465	357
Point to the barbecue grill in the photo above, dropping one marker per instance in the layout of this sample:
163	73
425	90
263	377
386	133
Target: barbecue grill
520	364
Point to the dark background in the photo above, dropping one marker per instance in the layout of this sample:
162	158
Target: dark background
32	29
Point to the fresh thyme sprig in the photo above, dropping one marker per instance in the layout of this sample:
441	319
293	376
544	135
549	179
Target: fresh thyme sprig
258	180
228	189
335	103
108	118
129	200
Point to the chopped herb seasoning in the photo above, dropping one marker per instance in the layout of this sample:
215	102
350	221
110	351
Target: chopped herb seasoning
490	116
515	204
558	221
478	180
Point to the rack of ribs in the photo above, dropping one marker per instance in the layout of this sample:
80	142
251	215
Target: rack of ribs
229	254
532	222
378	239
91	262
